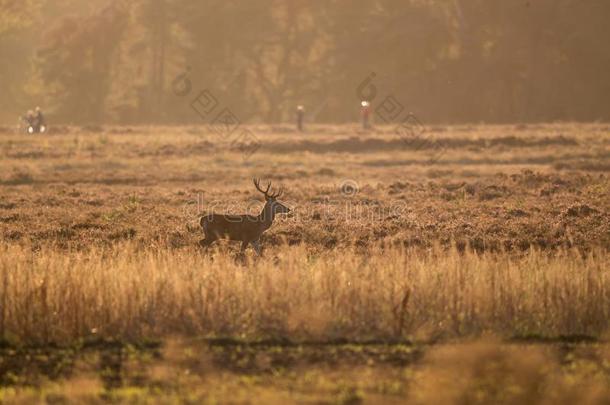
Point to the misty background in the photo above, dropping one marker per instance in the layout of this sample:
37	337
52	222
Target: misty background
448	61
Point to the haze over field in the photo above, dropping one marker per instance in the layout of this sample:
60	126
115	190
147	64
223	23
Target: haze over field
447	61
417	194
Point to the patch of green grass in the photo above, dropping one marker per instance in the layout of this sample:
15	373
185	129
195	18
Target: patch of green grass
183	371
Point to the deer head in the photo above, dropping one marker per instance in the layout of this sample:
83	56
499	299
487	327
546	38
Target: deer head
272	205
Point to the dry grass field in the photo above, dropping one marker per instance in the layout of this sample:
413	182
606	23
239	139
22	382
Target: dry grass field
493	188
475	272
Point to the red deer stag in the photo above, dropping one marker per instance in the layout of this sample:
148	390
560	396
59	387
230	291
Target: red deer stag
244	228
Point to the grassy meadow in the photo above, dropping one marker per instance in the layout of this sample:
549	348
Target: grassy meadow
473	272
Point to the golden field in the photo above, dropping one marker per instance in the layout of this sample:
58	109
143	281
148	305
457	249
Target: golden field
394	260
492	187
393	295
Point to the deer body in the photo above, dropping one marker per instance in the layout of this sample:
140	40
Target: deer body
244	228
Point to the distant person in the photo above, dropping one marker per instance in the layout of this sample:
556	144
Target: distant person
30	119
23	123
365	114
34	121
40	124
300	117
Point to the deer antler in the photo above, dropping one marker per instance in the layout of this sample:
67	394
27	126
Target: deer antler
278	194
266	192
258	187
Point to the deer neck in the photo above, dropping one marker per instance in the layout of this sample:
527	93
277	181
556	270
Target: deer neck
267	215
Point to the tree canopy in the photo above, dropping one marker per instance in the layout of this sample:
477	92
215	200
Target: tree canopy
446	60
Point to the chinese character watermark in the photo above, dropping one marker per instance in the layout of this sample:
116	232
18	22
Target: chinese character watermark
409	128
220	120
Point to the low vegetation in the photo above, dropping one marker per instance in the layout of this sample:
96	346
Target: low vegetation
479	277
192	371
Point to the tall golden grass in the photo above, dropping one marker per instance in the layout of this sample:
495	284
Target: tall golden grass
128	292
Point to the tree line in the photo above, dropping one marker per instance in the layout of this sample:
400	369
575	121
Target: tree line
118	61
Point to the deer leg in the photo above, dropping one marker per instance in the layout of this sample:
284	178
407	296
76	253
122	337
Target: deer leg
241	256
205	243
256	244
